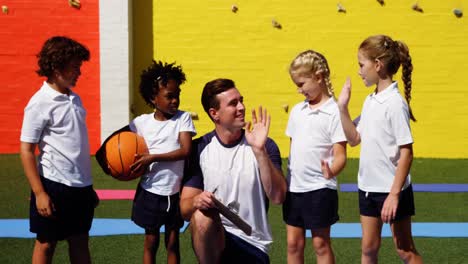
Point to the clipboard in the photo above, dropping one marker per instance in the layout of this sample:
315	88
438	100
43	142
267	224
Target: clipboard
233	217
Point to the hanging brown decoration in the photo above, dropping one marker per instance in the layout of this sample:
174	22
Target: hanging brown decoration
234	8
381	2
417	8
340	8
458	12
276	24
75	3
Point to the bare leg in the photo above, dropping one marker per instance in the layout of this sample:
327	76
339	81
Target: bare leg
371	239
403	240
322	245
78	249
207	236
172	246
296	244
150	247
43	252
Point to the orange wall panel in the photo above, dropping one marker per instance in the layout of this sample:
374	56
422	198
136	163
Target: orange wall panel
23	30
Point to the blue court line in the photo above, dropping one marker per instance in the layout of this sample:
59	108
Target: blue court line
19	228
353	230
101	227
446	187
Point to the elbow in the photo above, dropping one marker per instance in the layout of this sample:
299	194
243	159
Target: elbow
280	195
354	142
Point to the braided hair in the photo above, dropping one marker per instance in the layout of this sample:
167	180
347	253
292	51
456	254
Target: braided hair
312	62
392	54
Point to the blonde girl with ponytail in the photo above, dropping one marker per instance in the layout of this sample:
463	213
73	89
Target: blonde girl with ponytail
317	156
383	130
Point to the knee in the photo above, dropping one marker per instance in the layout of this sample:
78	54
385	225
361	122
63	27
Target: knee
370	249
406	255
321	247
46	248
295	245
203	222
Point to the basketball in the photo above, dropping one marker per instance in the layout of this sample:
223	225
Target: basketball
120	154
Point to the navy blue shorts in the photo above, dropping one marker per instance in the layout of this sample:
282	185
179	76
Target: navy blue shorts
372	203
311	210
238	251
151	211
73	215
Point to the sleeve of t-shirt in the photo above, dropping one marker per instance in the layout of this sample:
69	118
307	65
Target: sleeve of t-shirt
137	124
291	126
273	152
187	124
399	119
336	129
33	125
193	176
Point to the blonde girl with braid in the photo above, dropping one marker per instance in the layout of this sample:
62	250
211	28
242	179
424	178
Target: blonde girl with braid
317	155
383	130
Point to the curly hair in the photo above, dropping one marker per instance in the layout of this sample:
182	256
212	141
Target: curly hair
156	75
57	52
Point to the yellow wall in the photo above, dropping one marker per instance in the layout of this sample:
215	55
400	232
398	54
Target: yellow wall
210	41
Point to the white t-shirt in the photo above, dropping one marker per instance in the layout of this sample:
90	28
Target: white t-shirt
383	127
163	177
233	171
57	123
313	133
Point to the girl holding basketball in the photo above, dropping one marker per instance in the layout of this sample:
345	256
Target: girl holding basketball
318	154
168	134
383	129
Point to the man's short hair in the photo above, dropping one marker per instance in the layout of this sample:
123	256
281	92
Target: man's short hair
211	90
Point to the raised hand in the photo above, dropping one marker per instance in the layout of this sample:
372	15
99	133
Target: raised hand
345	95
256	132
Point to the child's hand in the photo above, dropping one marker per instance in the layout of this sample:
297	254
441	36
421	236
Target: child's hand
327	173
345	95
44	205
389	208
141	164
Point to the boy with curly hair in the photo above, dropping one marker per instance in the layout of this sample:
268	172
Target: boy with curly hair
62	196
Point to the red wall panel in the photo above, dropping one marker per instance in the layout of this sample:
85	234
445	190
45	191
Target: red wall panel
23	30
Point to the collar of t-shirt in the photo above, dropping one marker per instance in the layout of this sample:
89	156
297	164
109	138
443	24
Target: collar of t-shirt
326	107
54	94
388	92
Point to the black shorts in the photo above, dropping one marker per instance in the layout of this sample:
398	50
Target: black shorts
238	250
151	211
311	210
73	215
370	204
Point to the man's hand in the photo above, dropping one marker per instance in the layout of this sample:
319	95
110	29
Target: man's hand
256	132
203	201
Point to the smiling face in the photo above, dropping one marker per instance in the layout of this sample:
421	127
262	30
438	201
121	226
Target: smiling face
310	85
231	112
367	69
167	100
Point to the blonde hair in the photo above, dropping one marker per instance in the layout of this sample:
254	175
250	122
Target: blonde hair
392	54
311	62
